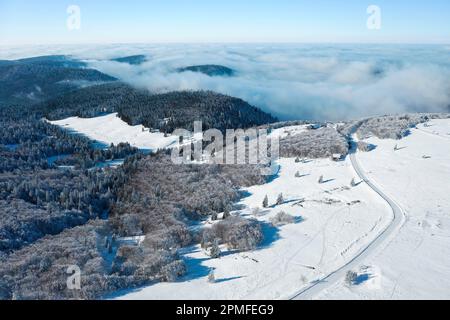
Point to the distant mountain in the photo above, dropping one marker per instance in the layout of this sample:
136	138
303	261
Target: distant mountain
32	80
211	70
133	60
166	112
54	60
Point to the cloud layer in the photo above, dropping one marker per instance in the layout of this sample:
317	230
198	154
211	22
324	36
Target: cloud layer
326	82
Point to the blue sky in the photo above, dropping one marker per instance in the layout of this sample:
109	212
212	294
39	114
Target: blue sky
44	21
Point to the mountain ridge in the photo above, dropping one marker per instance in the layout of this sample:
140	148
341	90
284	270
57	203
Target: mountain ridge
166	111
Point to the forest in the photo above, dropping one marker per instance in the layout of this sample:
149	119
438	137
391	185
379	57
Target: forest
166	112
33	80
59	206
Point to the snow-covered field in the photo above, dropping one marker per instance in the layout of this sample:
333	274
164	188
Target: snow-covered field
288	131
416	263
334	223
111	129
437	127
329	230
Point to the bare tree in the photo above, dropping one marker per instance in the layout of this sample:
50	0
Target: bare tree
350	278
256	212
282	218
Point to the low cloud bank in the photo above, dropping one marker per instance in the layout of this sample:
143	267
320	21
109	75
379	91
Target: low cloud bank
325	82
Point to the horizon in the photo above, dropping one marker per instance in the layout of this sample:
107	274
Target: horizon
226	43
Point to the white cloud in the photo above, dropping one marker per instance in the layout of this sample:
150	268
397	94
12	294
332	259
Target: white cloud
292	81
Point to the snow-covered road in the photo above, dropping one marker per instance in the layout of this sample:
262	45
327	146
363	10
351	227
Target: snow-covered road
397	220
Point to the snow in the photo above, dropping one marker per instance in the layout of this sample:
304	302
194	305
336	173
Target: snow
415	264
137	240
329	231
334	222
288	131
111	129
438	127
110	163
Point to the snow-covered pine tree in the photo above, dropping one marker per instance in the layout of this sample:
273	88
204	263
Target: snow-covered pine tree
215	252
265	202
226	213
280	199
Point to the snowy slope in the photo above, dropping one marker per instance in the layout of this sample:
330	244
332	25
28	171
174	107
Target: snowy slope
329	231
416	263
368	249
111	129
288	131
437	127
334	224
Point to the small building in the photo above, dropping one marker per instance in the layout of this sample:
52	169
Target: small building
337	157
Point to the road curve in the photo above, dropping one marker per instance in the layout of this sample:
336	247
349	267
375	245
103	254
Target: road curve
312	290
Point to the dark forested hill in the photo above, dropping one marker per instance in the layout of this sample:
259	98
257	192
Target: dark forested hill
211	70
133	60
159	111
32	80
54	60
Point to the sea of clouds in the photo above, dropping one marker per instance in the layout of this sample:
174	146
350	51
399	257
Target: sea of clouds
324	82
